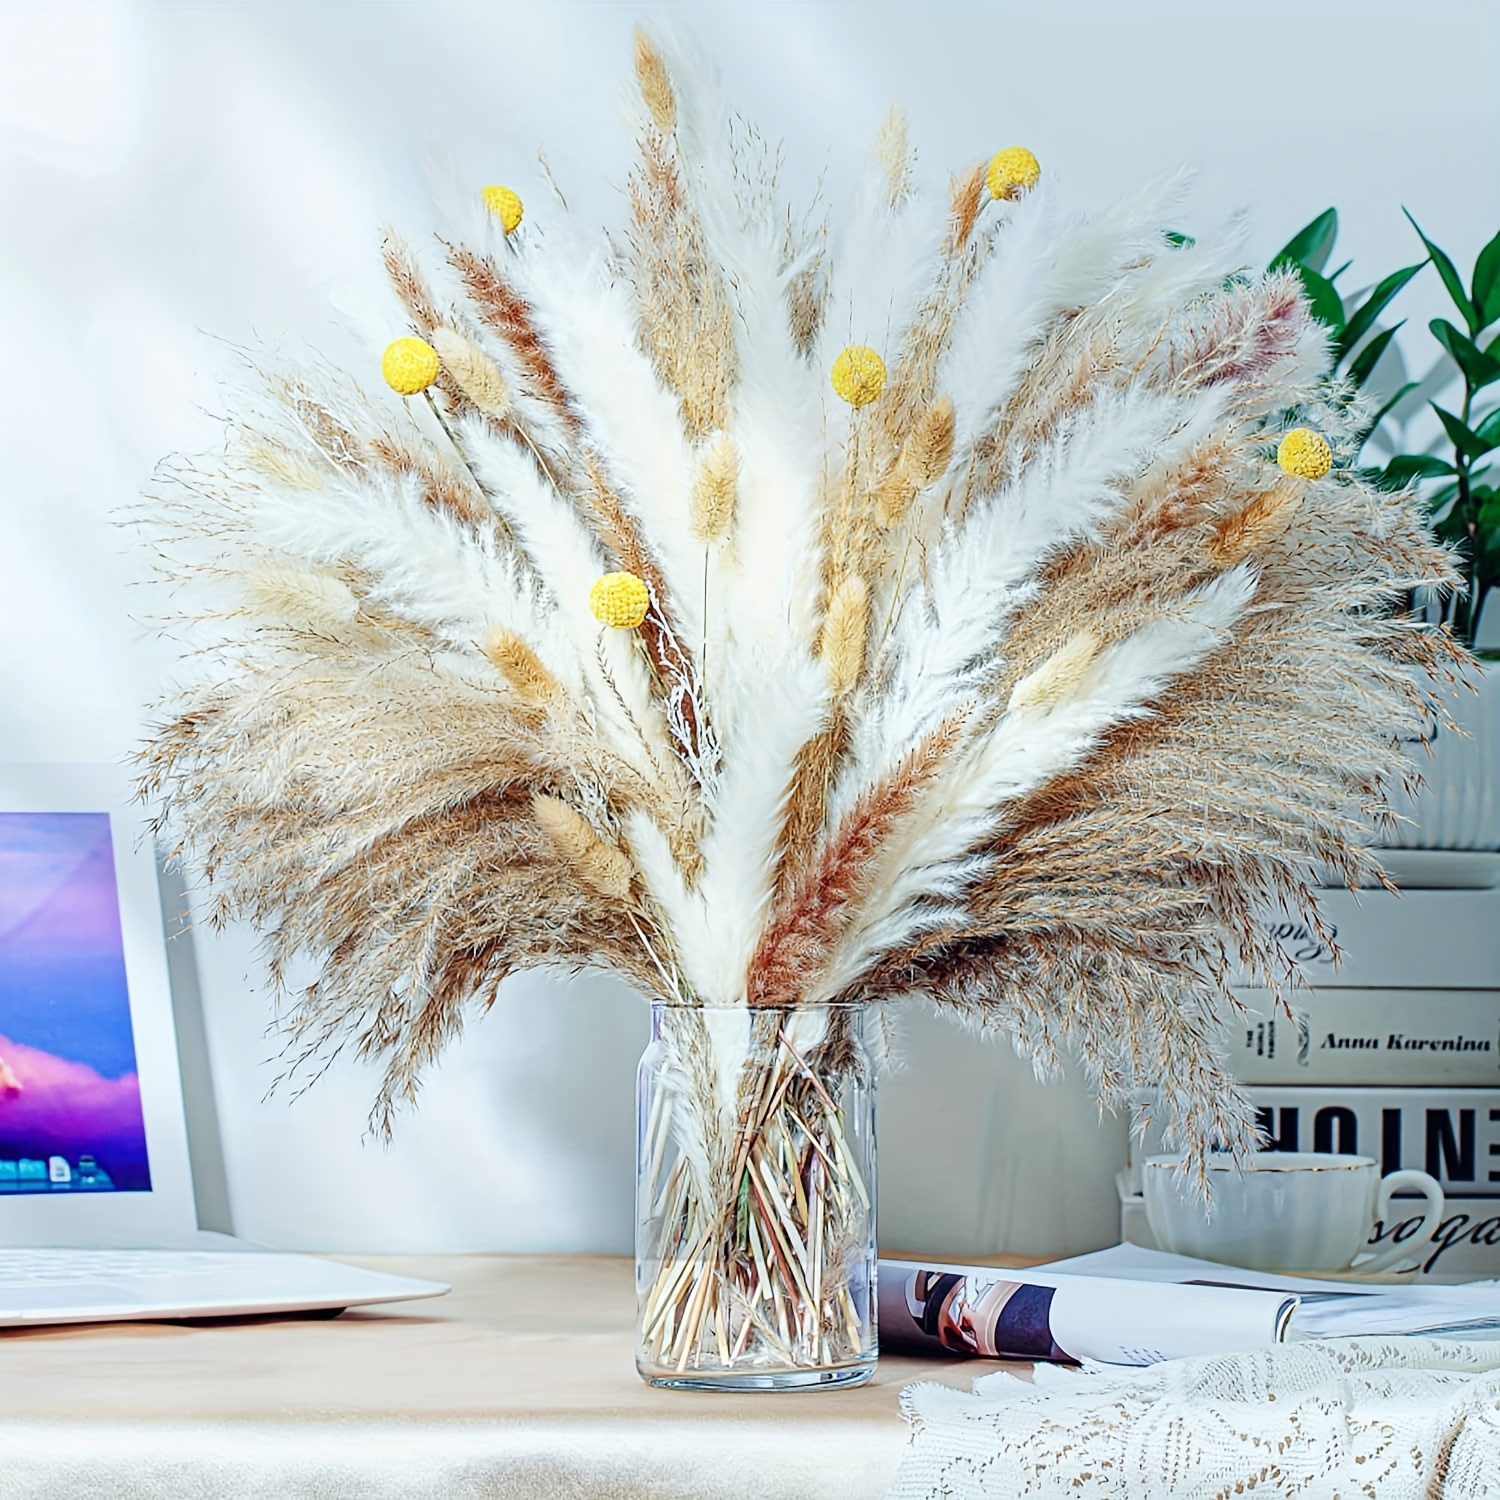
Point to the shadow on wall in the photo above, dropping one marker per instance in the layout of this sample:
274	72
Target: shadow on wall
525	1141
977	1157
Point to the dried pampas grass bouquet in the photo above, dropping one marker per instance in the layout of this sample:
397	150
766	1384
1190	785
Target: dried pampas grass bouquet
969	599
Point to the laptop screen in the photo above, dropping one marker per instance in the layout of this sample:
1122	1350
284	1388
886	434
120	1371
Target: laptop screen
70	1093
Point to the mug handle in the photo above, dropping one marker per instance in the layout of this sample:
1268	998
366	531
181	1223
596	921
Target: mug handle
1390	1185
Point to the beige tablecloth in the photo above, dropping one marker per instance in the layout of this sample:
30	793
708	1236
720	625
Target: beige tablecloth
518	1383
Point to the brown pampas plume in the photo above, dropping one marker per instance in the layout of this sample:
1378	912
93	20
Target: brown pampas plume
967	195
655	84
473	371
1249	530
812	778
809	917
686	320
443	491
714	490
509	315
409	284
603	866
806	294
845	628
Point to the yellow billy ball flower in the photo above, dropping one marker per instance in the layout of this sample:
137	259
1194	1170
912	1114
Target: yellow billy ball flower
1305	453
1012	172
409	366
505	205
620	600
858	375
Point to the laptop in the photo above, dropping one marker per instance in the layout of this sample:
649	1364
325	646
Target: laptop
98	1217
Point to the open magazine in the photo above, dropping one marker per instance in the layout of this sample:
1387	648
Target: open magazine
1132	1306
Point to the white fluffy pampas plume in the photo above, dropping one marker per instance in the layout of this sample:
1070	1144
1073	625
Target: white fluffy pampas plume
969	603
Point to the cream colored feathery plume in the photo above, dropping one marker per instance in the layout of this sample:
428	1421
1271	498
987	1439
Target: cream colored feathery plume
285	468
715	490
603	866
894	154
655	83
473	371
1057	677
303	597
845	629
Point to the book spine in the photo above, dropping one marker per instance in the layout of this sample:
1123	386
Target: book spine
1375	939
1403	1038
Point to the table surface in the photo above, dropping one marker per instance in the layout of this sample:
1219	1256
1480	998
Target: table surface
519	1382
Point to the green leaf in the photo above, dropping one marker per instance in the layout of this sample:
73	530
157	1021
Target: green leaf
1478	367
1463	437
1327	305
1363	318
1177	239
1451	279
1486	283
1334	275
1408	466
1363	363
1450	528
1311	245
1489	428
1398	395
1442	497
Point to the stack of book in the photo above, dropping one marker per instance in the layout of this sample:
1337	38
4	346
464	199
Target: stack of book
1393	1052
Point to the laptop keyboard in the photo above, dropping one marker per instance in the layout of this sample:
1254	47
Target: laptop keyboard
28	1267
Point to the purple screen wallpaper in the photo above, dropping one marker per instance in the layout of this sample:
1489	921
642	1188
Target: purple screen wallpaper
70	1101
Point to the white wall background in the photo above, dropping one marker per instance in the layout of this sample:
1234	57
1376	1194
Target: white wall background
180	179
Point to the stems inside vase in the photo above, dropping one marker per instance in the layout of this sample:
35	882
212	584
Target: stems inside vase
756	1249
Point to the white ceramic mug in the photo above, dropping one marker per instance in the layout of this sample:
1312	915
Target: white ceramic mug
1287	1211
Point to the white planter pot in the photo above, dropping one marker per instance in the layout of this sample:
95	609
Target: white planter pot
1459	806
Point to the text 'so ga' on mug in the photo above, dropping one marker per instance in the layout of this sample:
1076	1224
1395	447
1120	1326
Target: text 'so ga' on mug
1284	1210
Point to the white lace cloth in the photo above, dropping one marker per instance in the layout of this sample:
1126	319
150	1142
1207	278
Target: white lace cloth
1388	1418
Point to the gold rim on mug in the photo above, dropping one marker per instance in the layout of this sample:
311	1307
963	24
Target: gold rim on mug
1337	1164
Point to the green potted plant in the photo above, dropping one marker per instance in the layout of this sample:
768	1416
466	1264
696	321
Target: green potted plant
1459	805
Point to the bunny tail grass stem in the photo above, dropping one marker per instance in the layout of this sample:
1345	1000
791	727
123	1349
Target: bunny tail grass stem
452	437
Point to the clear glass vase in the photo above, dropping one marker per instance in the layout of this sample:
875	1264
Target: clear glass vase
755	1199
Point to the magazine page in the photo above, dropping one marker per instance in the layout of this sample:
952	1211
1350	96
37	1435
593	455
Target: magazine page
1022	1314
1331	1308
